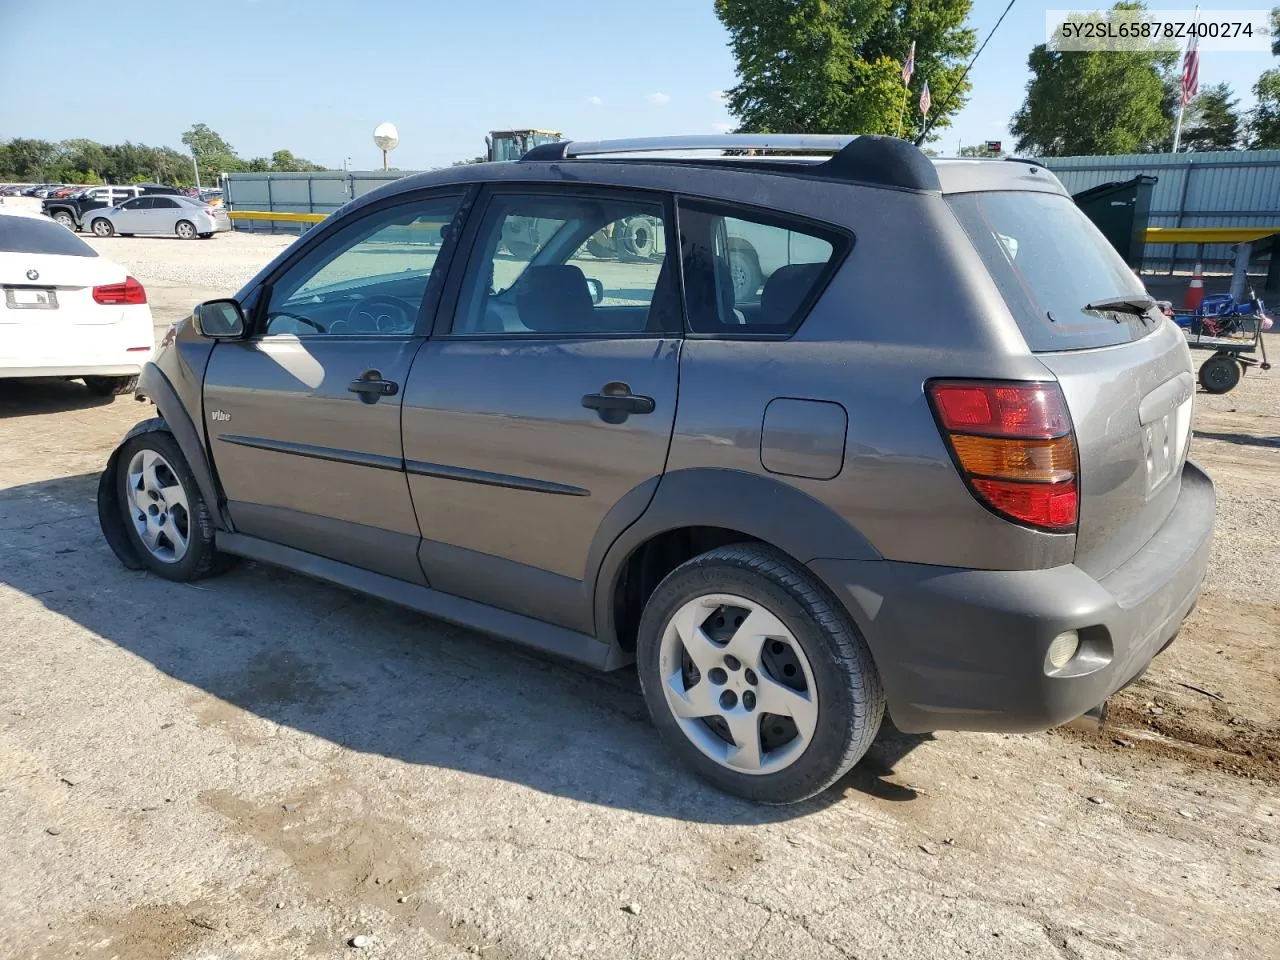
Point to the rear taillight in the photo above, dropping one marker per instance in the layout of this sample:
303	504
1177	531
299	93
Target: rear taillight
118	294
1013	443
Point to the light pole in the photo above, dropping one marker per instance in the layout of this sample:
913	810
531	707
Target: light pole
195	162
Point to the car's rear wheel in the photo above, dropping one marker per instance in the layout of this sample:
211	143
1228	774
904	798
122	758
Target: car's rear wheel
1219	373
111	386
165	516
755	676
205	236
65	218
185	229
102	227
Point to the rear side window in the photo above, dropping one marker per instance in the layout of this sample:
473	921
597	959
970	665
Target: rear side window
1049	261
37	235
750	274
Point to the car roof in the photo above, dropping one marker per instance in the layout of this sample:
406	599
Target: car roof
867	160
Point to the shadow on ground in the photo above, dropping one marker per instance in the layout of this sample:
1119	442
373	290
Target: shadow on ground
375	678
24	398
1243	439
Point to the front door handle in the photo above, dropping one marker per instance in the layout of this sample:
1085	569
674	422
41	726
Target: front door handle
371	387
615	402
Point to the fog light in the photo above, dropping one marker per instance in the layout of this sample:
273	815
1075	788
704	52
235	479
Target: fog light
1063	648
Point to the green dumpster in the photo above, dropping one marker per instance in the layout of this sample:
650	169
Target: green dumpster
1121	210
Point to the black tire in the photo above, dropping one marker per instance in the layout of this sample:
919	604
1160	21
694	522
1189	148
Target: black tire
111	386
849	692
126	234
189	233
65	218
744	267
102	227
205	236
1219	374
202	558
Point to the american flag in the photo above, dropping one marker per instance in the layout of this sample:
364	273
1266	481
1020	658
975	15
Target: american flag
909	65
1190	71
926	101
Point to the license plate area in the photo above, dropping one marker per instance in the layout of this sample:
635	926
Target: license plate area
30	298
1160	447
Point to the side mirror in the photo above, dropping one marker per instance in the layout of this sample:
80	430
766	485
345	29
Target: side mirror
220	320
597	290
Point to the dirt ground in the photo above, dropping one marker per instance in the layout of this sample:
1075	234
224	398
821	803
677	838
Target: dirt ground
262	766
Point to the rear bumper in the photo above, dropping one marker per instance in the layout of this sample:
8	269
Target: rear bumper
968	649
74	370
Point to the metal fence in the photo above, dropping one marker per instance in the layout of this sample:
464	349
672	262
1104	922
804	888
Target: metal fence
1229	188
320	192
1219	189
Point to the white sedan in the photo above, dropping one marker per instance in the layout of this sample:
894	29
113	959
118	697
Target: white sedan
67	312
182	217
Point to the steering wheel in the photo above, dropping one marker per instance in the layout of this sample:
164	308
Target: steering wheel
382	314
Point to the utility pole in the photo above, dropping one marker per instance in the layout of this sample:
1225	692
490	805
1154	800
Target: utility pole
195	162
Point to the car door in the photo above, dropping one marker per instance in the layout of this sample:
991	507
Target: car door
538	418
131	216
163	215
303	414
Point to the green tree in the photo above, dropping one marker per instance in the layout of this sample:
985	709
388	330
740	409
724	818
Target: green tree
834	66
201	140
285	161
215	155
1097	102
1264	118
258	165
1211	121
31	161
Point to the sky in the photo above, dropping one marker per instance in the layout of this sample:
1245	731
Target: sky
316	76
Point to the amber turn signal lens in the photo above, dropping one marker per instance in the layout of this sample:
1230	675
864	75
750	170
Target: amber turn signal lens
1049	460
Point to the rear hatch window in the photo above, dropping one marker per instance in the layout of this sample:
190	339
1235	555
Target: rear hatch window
36	235
1050	263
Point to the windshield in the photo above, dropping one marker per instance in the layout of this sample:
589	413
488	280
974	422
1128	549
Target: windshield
37	235
1050	263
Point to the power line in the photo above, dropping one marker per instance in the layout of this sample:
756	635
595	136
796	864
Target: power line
960	83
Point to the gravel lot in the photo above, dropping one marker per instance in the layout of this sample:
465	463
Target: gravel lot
261	766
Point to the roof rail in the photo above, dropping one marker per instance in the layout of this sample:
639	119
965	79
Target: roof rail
772	142
867	158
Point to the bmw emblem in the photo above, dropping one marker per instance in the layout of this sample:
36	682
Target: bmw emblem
33	274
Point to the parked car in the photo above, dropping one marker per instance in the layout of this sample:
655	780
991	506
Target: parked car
174	215
938	462
72	211
68	312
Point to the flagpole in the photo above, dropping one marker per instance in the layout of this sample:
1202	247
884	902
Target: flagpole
908	68
1182	98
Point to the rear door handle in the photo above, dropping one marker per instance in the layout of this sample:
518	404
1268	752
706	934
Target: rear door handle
370	386
616	402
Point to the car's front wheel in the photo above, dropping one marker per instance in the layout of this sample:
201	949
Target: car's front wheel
755	676
102	227
165	516
65	218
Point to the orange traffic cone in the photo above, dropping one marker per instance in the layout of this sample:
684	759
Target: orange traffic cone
1195	292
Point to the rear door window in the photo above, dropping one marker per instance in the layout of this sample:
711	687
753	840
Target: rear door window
751	273
1049	262
36	235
